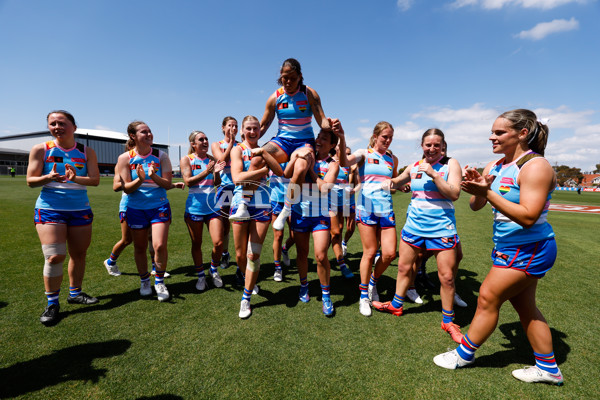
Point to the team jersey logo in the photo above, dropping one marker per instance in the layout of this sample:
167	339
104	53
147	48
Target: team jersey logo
282	106
504	190
373	161
54	159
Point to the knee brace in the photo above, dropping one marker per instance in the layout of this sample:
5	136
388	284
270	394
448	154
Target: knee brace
254	248
56	249
253	265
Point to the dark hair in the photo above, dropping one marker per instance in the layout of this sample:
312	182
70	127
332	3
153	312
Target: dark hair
436	132
333	139
537	132
131	130
294	65
227	119
67	114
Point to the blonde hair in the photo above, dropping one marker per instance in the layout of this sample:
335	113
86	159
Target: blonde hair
249	118
380	127
192	139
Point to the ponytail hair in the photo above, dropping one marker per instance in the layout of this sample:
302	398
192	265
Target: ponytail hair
377	131
131	130
537	131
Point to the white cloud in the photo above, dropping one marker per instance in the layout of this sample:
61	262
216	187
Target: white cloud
404	5
544	29
476	112
408	131
563	118
498	4
365	132
574	134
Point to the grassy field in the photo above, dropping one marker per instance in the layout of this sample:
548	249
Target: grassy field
195	346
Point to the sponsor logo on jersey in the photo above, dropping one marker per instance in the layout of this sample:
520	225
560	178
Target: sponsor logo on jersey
508	181
282	106
78	160
502	256
373	161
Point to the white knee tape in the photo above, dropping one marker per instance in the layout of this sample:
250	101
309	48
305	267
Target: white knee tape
253	266
56	249
254	248
53	270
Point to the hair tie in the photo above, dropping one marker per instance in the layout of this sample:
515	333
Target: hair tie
543	121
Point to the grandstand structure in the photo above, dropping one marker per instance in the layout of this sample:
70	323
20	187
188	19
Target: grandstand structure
14	149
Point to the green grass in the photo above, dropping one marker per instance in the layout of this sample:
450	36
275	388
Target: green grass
195	346
583	199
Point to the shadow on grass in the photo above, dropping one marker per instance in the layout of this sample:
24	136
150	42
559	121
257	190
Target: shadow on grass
518	350
69	364
161	397
289	295
3	304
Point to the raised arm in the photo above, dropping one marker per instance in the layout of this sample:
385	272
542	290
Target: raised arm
268	116
219	154
345	160
315	105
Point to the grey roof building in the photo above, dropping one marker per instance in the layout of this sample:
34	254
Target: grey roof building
14	149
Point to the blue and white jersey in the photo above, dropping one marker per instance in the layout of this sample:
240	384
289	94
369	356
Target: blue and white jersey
312	202
261	196
294	114
506	231
340	193
123	202
226	180
376	169
201	198
149	195
278	186
430	214
64	196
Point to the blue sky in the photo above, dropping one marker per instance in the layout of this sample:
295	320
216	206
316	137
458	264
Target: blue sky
184	65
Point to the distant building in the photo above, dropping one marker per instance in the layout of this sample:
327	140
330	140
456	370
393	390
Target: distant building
590	180
14	150
570	182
